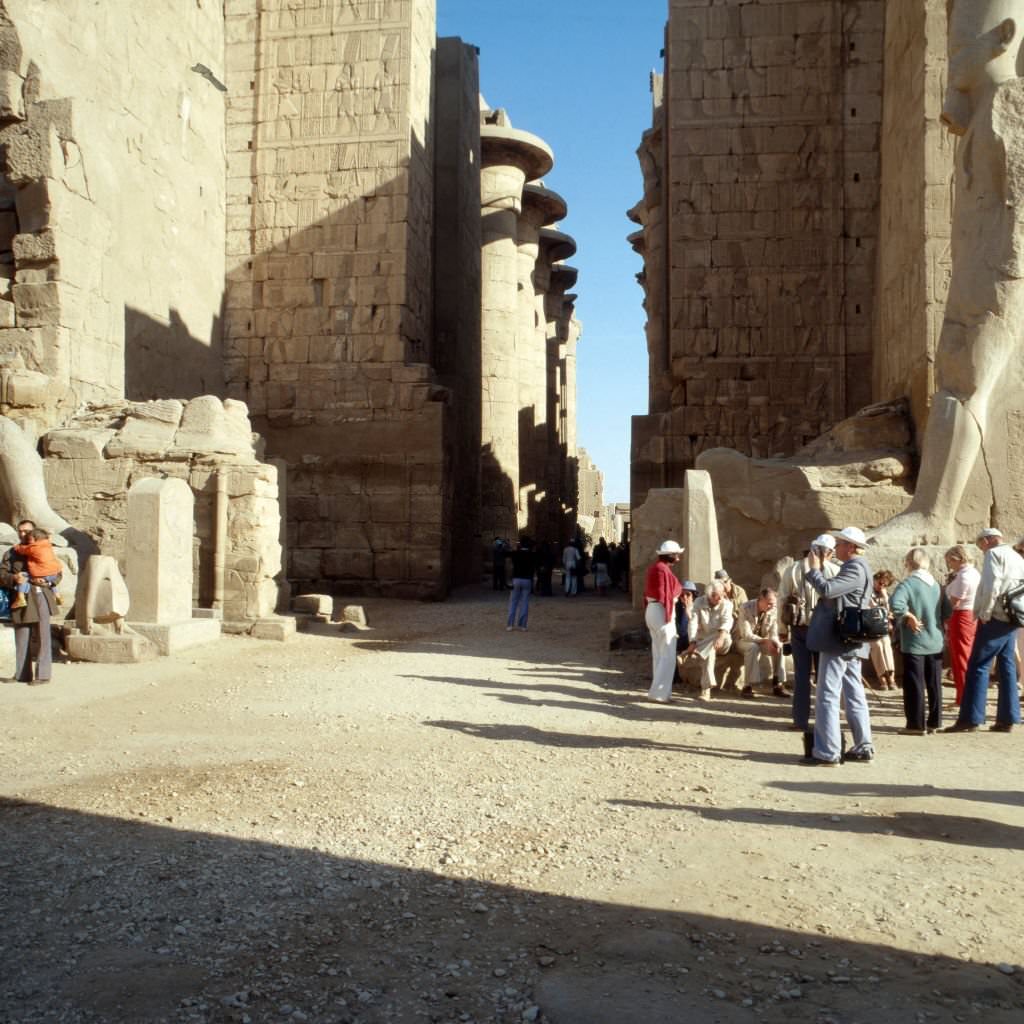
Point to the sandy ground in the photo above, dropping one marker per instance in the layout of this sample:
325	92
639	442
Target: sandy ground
438	820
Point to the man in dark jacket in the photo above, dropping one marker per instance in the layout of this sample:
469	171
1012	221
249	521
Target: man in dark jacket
839	664
32	622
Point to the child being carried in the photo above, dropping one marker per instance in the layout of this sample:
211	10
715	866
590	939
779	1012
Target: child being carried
44	570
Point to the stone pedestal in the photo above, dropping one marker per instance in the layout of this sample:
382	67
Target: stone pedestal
110	648
159	557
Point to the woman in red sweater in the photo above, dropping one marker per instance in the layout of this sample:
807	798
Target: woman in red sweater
661	591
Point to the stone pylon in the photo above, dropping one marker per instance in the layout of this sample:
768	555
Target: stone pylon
509	159
541	207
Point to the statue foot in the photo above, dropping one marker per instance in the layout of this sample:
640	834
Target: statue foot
912	528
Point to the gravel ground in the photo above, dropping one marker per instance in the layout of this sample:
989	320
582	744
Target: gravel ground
436	820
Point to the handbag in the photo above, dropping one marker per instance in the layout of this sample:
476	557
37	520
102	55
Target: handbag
792	611
862	625
1013	603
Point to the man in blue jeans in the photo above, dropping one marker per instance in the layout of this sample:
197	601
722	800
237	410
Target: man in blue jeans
524	565
798	599
994	640
839	664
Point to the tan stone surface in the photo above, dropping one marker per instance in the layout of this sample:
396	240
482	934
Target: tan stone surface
658	519
856	474
703	555
119	168
91	464
158	550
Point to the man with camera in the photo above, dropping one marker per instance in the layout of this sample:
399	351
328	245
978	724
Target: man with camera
839	661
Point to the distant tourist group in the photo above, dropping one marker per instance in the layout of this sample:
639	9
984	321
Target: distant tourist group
830	613
533	569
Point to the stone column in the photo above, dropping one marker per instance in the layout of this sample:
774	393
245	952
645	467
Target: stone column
541	206
509	158
561	278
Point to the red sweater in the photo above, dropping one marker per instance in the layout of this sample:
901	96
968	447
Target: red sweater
662	586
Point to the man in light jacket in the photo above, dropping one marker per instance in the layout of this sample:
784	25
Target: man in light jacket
797	601
757	639
839	664
994	640
711	625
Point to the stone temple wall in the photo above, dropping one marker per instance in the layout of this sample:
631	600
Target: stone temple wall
768	171
112	201
329	314
916	205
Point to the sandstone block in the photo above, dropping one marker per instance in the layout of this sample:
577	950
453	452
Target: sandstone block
159	551
273	629
110	648
173	637
700	525
313	604
12	99
352	616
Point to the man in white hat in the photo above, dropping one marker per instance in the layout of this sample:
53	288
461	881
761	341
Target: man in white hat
797	601
995	639
839	664
710	633
661	591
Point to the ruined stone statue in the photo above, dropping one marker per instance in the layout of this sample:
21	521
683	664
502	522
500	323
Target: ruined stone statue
103	596
22	490
980	347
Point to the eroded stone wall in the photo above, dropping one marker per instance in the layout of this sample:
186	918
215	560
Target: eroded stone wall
770	185
92	462
916	214
114	196
329	305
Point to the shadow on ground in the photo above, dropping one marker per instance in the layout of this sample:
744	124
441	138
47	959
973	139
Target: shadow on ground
113	920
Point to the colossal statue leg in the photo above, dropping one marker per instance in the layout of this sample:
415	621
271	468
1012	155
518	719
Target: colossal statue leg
22	489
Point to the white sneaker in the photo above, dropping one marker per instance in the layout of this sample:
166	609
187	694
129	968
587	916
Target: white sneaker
508	629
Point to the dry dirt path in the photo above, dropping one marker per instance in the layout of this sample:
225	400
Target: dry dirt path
438	820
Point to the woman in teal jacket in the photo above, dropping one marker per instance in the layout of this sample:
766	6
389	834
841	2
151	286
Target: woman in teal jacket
916	606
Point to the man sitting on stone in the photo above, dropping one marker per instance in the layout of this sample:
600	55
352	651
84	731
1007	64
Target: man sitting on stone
733	593
711	624
758	641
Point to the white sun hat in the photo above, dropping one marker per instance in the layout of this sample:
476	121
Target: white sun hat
824	540
990	531
669	547
852	535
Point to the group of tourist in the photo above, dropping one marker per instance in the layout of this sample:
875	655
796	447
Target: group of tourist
533	568
831	614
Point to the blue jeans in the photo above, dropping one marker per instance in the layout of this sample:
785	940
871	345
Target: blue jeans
838	675
994	640
519	598
803	661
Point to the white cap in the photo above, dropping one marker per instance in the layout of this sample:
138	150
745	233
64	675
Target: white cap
991	531
825	540
852	535
669	547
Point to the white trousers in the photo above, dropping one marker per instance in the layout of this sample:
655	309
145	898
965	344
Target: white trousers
663	650
707	654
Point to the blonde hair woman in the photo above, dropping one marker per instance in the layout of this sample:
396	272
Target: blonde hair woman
961	586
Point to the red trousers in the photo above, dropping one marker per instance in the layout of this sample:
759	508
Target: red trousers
960	630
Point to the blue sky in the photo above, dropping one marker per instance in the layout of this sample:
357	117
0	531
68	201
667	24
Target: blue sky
576	73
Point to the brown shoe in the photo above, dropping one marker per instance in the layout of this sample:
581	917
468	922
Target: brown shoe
748	693
1001	727
38	682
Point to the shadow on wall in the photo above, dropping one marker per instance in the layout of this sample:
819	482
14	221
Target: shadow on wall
163	359
155	919
549	478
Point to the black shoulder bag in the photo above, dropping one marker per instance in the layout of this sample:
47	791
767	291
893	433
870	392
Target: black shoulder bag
862	625
1013	603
